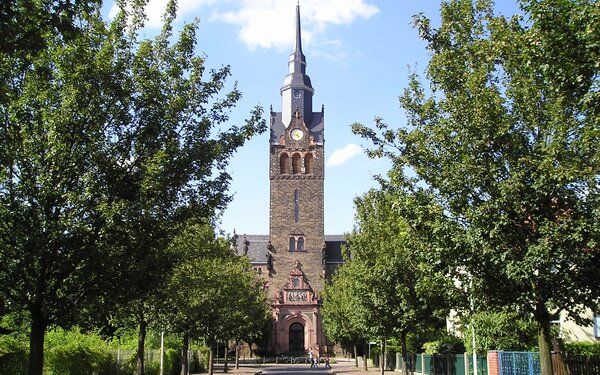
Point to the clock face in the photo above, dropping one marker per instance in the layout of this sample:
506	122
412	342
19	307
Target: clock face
297	93
297	134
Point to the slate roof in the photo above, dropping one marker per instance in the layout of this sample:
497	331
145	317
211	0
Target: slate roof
315	127
257	247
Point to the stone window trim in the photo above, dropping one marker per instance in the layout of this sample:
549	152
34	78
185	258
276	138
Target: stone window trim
297	244
284	163
298	163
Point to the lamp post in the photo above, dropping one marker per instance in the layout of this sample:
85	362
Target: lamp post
162	350
473	328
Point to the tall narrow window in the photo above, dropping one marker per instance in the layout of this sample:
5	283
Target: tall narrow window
296	164
292	244
284	164
308	164
296	206
300	244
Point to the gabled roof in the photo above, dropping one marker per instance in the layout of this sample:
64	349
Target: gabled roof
315	128
257	247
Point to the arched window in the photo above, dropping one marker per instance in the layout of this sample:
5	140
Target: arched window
296	164
300	245
292	244
284	164
308	163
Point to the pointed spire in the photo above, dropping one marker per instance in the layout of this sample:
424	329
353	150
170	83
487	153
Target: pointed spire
297	61
297	90
298	40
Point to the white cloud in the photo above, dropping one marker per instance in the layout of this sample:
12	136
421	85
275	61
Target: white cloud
266	23
270	23
342	155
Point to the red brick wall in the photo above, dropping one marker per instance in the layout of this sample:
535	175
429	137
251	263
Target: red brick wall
493	366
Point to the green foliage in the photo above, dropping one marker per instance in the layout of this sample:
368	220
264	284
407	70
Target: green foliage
449	345
108	143
212	293
588	348
75	353
13	355
504	137
501	330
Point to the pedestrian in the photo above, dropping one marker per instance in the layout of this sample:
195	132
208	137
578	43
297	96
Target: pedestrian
311	358
316	360
327	365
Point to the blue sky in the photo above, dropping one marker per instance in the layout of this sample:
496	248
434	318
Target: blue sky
357	52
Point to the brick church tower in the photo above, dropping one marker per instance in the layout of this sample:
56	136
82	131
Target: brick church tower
296	257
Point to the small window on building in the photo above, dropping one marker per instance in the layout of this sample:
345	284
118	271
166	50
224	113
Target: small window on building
259	271
284	164
292	244
296	164
308	164
300	244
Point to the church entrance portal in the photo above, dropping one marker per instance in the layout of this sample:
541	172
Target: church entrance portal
296	337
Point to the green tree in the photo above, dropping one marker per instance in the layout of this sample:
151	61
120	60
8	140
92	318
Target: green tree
390	287
342	311
506	140
170	156
212	293
107	143
52	129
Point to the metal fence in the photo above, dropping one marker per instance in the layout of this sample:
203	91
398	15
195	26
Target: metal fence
519	363
571	364
439	364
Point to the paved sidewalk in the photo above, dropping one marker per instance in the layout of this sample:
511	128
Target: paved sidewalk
342	366
347	368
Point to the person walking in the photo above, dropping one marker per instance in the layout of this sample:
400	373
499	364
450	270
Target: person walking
311	357
327	365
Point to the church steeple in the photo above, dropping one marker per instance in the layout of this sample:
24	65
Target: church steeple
297	91
297	59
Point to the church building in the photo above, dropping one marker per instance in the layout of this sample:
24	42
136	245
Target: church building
296	257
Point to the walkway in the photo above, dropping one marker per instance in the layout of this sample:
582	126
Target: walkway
342	367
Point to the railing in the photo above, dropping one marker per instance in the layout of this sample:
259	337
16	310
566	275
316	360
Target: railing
571	364
519	363
439	364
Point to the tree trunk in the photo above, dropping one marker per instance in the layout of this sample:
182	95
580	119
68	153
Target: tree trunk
237	354
404	352
141	342
542	317
365	359
382	357
184	354
211	359
36	340
355	356
225	369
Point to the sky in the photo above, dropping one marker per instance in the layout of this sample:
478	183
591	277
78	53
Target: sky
359	54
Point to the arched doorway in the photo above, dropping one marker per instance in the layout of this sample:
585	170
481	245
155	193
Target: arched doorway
296	337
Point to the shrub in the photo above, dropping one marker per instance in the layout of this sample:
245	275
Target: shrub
13	356
447	345
587	348
501	330
74	353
